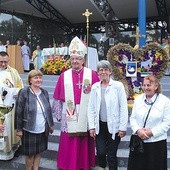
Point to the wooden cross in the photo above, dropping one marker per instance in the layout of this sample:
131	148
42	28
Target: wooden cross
137	35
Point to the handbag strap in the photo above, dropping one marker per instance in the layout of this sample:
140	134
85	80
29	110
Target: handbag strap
39	104
149	109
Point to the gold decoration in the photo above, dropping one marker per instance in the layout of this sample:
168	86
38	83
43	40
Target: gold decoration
87	15
4	110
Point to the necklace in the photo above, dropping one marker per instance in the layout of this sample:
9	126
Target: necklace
151	103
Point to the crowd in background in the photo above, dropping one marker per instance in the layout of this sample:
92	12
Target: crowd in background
30	59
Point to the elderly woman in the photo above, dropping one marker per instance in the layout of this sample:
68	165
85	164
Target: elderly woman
150	120
107	115
33	119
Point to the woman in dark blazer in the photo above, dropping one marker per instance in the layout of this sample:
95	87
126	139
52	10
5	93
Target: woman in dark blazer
33	119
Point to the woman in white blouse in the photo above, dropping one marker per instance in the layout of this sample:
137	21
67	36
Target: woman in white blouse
107	115
154	134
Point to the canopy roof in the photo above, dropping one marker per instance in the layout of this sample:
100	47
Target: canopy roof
68	13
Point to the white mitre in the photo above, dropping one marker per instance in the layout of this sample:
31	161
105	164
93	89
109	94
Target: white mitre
77	48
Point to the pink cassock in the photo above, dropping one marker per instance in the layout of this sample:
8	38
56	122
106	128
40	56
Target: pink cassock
74	152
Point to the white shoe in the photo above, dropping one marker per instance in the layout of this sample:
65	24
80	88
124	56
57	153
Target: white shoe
100	168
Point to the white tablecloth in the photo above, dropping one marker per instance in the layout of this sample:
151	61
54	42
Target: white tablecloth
58	51
92	55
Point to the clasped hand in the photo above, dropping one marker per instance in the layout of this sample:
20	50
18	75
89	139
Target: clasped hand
144	133
121	133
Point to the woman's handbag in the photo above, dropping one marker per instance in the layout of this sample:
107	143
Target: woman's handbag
136	144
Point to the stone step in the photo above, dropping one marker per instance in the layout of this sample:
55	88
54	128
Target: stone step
48	160
166	92
165	85
45	164
165	79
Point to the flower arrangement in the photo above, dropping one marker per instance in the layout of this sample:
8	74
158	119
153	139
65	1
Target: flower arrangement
120	54
55	65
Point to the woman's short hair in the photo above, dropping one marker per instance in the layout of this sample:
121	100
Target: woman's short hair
104	64
33	73
153	79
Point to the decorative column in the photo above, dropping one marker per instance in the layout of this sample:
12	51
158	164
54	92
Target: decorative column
142	21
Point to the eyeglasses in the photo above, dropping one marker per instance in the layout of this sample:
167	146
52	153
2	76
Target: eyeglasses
76	59
5	62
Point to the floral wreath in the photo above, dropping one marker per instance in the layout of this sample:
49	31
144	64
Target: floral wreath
122	53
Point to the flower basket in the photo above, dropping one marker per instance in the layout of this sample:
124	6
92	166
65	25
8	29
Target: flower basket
55	65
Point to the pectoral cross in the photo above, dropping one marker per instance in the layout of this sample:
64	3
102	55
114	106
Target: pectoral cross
79	83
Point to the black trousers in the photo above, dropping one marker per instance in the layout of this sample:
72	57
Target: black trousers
107	147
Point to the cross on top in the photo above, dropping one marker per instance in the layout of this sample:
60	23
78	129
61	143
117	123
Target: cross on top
137	35
87	14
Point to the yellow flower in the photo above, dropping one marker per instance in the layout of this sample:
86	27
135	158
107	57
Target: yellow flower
139	69
55	65
120	69
116	57
131	101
